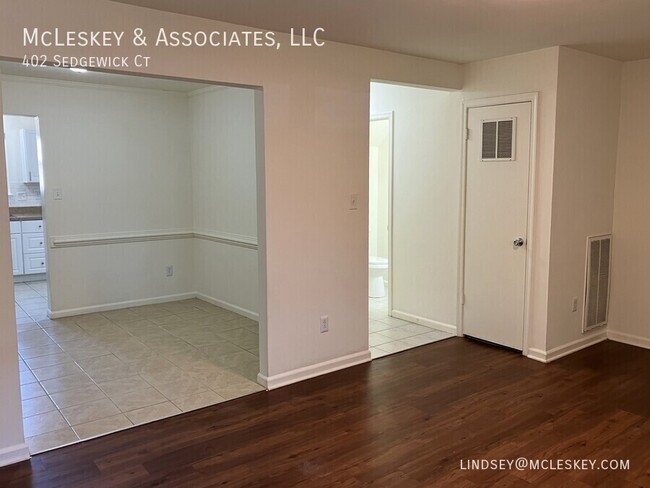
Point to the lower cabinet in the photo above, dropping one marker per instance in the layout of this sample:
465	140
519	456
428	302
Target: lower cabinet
34	263
17	253
28	247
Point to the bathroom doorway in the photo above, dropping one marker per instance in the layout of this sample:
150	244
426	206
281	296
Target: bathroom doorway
414	143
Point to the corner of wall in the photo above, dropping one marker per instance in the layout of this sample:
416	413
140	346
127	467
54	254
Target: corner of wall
584	165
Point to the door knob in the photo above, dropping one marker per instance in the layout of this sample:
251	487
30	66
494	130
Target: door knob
518	242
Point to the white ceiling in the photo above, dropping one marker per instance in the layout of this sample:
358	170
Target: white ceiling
97	77
451	30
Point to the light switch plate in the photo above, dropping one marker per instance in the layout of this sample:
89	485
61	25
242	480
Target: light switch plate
58	194
354	201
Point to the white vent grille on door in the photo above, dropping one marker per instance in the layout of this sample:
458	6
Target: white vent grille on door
597	281
498	140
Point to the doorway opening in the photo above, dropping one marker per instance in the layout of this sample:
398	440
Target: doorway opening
150	195
413	185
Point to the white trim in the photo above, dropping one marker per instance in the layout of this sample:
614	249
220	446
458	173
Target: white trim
530	240
229	306
147	236
537	355
566	349
89	85
119	305
14	454
152	301
227	238
117	238
313	370
632	340
205	90
390	116
452	329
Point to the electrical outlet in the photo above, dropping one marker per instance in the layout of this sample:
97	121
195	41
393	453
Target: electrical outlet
169	271
324	324
574	304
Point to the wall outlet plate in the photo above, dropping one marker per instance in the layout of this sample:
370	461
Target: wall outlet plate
169	271
324	324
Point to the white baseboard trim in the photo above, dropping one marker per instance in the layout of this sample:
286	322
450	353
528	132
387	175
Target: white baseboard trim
70	312
632	340
14	454
307	372
29	278
229	306
119	305
423	321
537	355
566	349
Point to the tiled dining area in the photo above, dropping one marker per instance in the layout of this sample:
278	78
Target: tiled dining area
90	375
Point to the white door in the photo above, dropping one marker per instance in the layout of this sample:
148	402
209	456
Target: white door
498	164
17	254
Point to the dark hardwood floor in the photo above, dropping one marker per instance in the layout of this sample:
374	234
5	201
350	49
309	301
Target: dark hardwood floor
405	420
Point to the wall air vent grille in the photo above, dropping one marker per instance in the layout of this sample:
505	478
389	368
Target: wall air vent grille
597	281
498	140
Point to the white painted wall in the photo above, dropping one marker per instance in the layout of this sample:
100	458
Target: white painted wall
536	71
426	196
586	137
629	306
122	158
316	154
223	154
12	441
378	191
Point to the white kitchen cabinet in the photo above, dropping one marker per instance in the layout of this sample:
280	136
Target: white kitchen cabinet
28	247
31	226
33	242
17	254
34	263
29	152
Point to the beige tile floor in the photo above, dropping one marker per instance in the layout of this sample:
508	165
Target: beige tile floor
389	335
90	375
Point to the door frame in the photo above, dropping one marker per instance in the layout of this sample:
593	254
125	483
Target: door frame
390	116
530	241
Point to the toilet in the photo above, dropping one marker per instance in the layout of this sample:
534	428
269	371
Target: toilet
377	269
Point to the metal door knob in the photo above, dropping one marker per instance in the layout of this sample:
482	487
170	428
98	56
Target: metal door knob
518	242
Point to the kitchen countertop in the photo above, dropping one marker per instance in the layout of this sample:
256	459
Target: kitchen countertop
25	213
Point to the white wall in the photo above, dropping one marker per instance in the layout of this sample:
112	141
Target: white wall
426	196
316	154
15	178
12	443
121	157
535	71
586	136
629	306
378	191
223	154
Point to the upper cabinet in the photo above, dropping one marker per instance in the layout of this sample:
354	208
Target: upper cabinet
24	160
29	152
